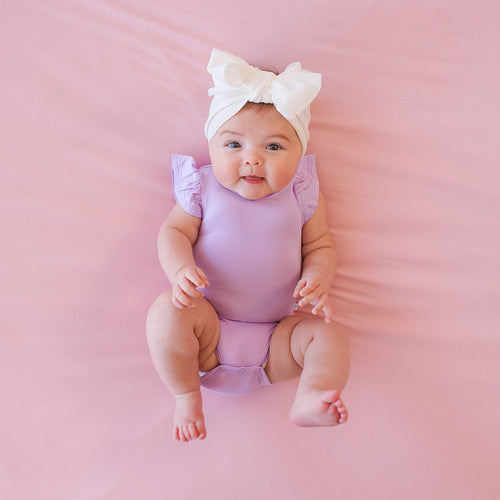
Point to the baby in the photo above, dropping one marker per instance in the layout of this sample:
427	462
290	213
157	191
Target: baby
246	244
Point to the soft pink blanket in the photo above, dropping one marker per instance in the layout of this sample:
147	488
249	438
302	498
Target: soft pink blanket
94	98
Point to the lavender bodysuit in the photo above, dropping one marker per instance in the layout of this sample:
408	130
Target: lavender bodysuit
251	251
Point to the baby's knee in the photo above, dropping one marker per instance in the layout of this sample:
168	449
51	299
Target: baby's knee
338	331
330	331
159	313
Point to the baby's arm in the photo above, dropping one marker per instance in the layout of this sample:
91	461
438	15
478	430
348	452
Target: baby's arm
175	248
319	263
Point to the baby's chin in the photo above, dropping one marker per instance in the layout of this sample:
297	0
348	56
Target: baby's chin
253	193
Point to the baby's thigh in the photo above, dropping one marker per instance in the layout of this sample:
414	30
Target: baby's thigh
166	323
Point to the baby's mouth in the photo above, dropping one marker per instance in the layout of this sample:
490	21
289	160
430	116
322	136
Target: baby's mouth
253	179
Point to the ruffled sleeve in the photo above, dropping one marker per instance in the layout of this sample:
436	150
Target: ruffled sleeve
186	184
306	186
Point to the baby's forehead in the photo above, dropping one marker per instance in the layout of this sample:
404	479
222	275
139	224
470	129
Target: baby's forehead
261	119
259	111
263	114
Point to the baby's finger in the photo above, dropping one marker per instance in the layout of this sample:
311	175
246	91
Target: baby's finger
328	312
180	299
178	304
315	294
320	304
197	277
310	287
188	287
175	300
203	276
324	304
327	308
300	285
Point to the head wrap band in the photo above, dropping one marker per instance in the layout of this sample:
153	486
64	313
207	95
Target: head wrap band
237	83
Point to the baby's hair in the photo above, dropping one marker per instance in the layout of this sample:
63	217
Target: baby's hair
271	70
268	68
257	106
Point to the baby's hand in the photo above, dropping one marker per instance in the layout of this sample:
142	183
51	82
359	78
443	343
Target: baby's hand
312	291
184	287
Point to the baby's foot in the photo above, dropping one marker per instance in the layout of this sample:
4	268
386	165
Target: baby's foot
189	422
318	408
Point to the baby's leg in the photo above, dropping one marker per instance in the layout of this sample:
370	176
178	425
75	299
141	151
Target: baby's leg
321	352
182	342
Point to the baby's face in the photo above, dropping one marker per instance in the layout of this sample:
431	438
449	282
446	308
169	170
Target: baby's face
256	152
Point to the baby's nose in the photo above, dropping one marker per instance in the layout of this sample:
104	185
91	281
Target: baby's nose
253	159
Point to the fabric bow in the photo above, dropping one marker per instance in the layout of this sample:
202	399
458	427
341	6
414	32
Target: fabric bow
237	82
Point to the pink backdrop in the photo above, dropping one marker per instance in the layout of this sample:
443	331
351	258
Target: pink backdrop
96	96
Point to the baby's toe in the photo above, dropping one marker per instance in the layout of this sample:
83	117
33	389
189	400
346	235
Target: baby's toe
182	433
193	431
339	404
179	434
201	430
344	416
342	410
332	411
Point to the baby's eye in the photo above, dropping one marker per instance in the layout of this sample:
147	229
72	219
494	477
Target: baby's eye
233	145
273	147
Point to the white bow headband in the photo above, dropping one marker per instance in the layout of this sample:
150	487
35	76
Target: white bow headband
237	83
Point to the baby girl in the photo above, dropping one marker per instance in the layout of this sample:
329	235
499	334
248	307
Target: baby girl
246	244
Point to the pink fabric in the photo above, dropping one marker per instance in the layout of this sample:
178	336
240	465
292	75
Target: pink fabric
96	96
